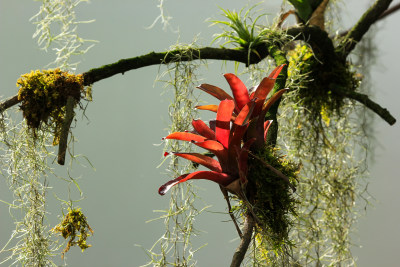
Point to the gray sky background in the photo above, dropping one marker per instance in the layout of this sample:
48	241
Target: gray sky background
129	115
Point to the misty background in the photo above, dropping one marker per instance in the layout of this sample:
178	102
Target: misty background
129	115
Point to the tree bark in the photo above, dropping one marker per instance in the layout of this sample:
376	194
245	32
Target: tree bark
240	252
372	15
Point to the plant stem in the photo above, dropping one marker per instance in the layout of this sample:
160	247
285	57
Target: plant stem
240	252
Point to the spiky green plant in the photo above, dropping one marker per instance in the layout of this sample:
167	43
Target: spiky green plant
242	31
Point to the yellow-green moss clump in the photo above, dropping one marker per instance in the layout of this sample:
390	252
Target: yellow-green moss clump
274	204
320	86
44	94
74	225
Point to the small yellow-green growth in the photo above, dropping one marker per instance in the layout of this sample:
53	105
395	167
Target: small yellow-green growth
74	225
44	94
274	203
319	85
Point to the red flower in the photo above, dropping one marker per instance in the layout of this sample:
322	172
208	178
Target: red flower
241	96
239	124
224	142
249	107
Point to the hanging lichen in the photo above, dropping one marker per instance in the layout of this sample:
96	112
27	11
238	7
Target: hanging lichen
175	246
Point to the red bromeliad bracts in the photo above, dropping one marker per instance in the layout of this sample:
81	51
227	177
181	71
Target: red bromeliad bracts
239	124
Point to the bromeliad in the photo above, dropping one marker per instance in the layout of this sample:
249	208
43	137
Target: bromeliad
255	99
225	142
239	124
250	105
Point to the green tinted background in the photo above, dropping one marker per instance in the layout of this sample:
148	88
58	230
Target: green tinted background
129	115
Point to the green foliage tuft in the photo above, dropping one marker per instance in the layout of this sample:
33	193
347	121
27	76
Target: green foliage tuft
242	31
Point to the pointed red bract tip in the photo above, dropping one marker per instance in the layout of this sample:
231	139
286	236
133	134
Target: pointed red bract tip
162	190
166	154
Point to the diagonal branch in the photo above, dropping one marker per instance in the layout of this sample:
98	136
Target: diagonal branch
9	103
390	11
375	107
240	252
355	35
382	16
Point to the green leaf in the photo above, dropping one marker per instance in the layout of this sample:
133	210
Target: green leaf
303	9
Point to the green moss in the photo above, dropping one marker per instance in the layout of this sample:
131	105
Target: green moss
44	94
74	224
274	204
319	84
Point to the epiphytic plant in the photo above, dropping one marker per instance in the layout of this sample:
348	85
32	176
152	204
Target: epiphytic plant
224	139
252	171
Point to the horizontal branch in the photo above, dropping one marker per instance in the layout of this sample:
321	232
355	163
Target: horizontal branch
375	107
355	35
184	54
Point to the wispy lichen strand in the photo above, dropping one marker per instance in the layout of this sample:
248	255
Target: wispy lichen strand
57	28
175	247
23	160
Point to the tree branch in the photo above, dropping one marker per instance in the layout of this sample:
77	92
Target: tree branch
362	26
240	252
185	54
382	16
9	103
389	11
375	107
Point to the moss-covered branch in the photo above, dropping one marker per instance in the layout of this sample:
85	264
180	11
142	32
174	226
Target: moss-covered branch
318	39
185	54
388	12
375	107
355	35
